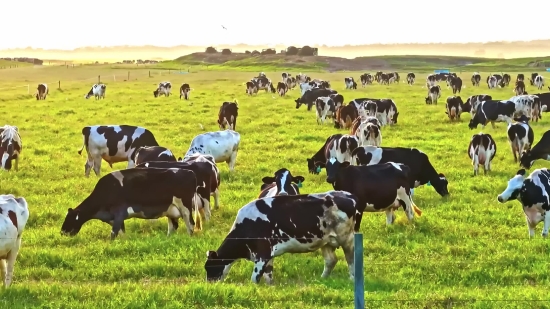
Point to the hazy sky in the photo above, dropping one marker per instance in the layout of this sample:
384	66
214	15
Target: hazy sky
64	24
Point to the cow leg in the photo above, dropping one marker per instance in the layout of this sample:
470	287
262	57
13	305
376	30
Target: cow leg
475	163
232	160
172	225
186	214
546	224
262	266
3	271
268	272
16	165
216	195
390	216
117	224
493	124
88	165
514	152
530	227
403	195
331	259
11	263
358	218
97	165
349	254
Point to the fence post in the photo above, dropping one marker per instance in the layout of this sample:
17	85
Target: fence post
59	85
28	89
149	73
128	76
99	79
359	291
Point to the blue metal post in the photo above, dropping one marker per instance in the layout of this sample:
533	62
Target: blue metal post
359	292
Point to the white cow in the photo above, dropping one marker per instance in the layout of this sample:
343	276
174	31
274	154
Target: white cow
539	82
222	145
324	107
14	214
98	91
523	104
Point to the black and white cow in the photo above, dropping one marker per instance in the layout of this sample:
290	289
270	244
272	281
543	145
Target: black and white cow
282	183
285	75
251	87
386	110
369	133
492	82
520	88
366	79
476	78
164	88
422	171
113	143
14	215
380	187
393	77
350	83
145	193
505	81
482	150
215	179
263	83
434	93
10	147
269	227
532	192
324	107
520	137
98	91
454	107
410	78
520	77
539	82
541	151
42	91
473	101
223	146
339	146
302	78
282	88
338	99
311	95
455	83
533	77
184	91
227	116
153	153
493	111
430	81
544	99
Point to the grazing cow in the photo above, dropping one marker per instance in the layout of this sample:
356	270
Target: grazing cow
263	83
282	88
42	91
505	81
153	153
380	187
493	111
492	82
520	88
422	171
473	101
14	214
533	77
455	83
98	91
311	95
532	192
164	88
283	183
541	151
113	143
345	116
539	82
10	146
482	150
434	93
386	109
222	145
350	83
454	107
476	78
369	134
520	77
227	116
184	91
272	226
324	106
145	193
520	137
430	81
362	120
338	99
339	146
251	88
410	78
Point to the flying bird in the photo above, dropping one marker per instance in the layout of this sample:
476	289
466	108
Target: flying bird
224	27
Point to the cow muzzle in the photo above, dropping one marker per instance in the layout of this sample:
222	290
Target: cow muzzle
500	199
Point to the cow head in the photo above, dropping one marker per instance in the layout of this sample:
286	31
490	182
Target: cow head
90	93
333	166
298	103
216	268
440	184
284	179
514	187
526	160
314	167
394	119
472	124
156	92
427	99
73	222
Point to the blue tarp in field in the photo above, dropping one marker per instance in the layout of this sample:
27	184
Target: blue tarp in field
442	71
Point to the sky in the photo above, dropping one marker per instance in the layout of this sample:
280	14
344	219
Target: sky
64	24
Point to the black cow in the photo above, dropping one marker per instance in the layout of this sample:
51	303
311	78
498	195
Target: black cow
227	116
137	193
476	78
269	227
42	91
544	101
492	111
410	78
114	143
520	137
184	91
505	81
422	171
282	183
519	89
541	151
532	79
520	77
434	93
532	192
153	153
311	95
453	108
455	83
379	187
365	79
282	88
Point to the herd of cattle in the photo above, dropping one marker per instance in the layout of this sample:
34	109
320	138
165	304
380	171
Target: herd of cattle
366	177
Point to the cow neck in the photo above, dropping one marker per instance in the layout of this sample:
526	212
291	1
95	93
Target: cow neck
233	247
87	209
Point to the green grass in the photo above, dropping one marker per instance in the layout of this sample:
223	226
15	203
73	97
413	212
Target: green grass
466	251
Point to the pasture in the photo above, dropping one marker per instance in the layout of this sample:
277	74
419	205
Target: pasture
466	251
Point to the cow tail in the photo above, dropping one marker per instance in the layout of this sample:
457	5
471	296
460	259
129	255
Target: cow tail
85	138
416	209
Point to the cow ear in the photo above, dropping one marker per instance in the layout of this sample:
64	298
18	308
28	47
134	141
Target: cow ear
521	172
268	179
298	179
344	164
69	210
211	254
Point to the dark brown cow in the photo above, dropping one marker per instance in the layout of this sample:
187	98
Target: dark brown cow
345	115
227	117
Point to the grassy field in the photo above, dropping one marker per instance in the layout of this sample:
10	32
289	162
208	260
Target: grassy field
466	251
